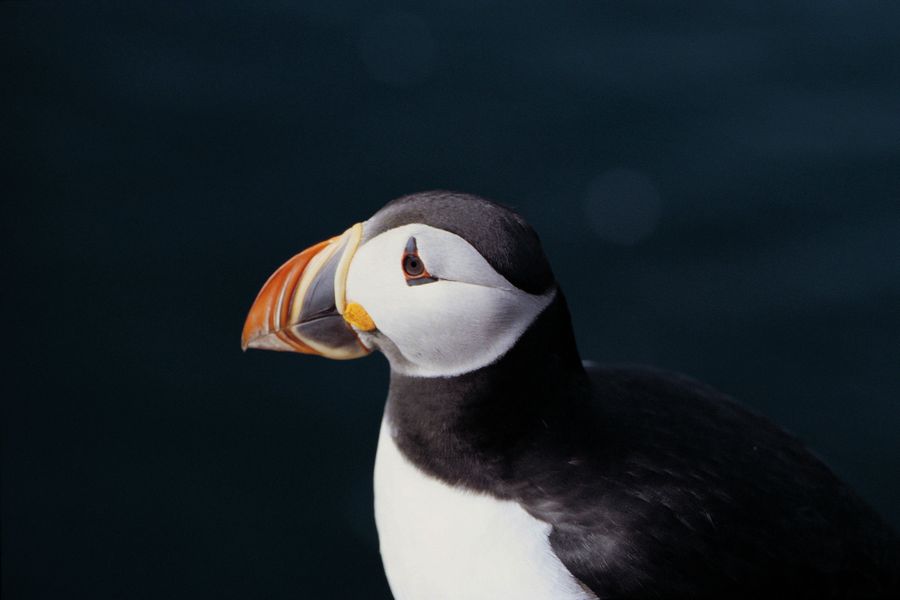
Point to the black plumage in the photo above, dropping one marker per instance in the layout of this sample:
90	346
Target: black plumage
655	485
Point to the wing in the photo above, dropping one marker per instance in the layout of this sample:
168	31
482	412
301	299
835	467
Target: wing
679	491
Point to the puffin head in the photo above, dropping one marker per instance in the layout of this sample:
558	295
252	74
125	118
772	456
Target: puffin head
442	283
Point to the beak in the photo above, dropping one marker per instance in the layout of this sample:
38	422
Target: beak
301	308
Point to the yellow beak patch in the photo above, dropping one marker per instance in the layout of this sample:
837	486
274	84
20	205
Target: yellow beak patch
357	316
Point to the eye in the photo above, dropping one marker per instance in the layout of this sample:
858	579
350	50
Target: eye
413	268
412	265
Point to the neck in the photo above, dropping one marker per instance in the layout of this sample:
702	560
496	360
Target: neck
477	428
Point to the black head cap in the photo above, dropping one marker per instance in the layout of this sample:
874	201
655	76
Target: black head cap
500	235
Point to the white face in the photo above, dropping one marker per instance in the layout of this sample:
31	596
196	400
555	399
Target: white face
466	319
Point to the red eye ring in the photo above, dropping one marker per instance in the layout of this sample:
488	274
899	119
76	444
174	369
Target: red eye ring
414	270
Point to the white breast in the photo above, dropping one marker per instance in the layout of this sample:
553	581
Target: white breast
440	542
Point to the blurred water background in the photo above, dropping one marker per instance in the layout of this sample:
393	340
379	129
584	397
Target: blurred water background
717	185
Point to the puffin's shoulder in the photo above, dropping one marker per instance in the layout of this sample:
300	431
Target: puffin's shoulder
669	430
656	406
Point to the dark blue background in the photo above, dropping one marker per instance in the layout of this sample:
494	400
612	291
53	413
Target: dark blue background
717	185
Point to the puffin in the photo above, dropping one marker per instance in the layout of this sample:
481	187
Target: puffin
508	468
